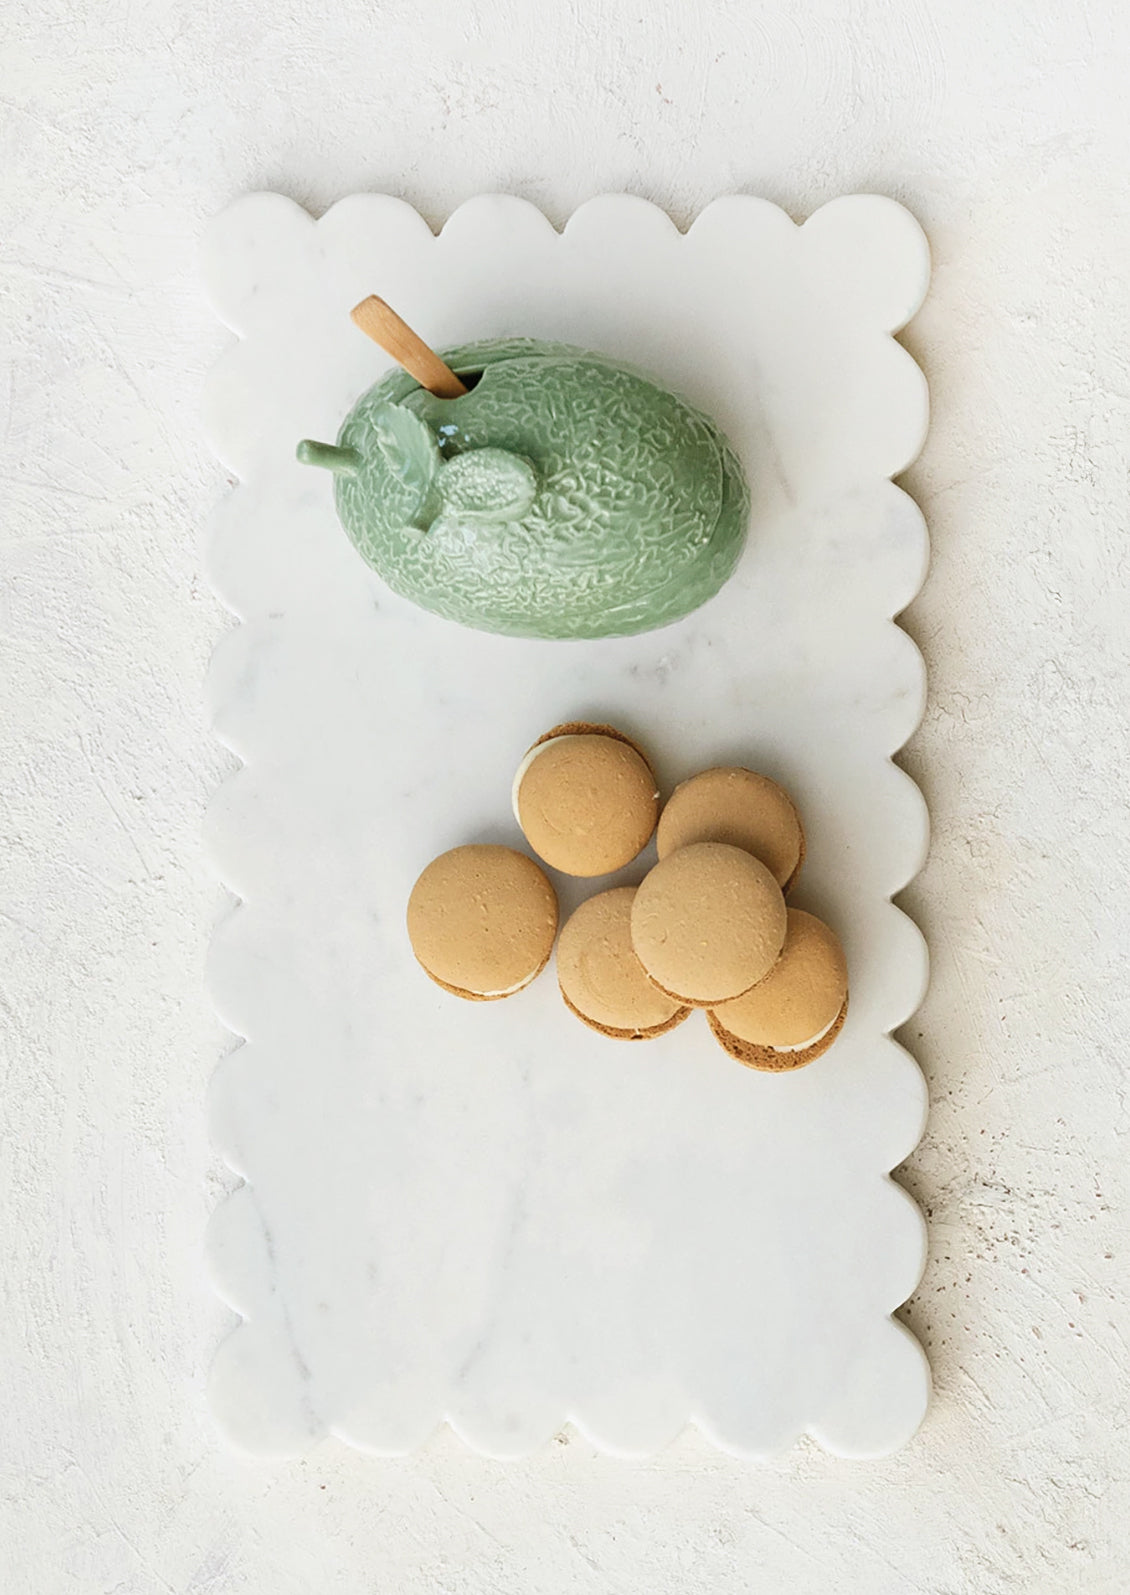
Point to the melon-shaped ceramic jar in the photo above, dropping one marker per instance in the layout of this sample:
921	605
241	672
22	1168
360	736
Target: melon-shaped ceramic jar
564	495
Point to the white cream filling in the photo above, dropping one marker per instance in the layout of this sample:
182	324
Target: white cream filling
520	774
799	1046
510	990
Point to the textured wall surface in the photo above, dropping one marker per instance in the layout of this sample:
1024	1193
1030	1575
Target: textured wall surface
1004	129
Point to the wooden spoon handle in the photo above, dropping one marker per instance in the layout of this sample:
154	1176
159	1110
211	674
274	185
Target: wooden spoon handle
396	338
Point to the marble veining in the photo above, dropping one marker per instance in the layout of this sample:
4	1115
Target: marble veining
486	1214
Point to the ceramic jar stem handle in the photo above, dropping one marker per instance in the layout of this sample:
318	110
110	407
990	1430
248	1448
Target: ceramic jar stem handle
343	462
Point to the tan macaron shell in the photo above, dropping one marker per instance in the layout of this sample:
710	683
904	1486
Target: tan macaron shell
708	922
602	980
742	808
799	1005
481	920
587	804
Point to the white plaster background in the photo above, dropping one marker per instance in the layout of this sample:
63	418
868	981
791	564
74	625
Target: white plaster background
1005	129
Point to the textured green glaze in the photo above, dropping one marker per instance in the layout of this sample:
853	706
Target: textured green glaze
563	496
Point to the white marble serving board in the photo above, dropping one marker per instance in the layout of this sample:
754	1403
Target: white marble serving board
485	1213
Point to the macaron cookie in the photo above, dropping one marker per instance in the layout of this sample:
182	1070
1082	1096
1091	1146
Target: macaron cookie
481	920
602	980
792	1016
741	808
586	799
708	922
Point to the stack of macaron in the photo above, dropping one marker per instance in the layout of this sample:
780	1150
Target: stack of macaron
707	927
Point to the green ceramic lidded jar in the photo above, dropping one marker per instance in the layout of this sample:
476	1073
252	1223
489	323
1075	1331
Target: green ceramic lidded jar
564	495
